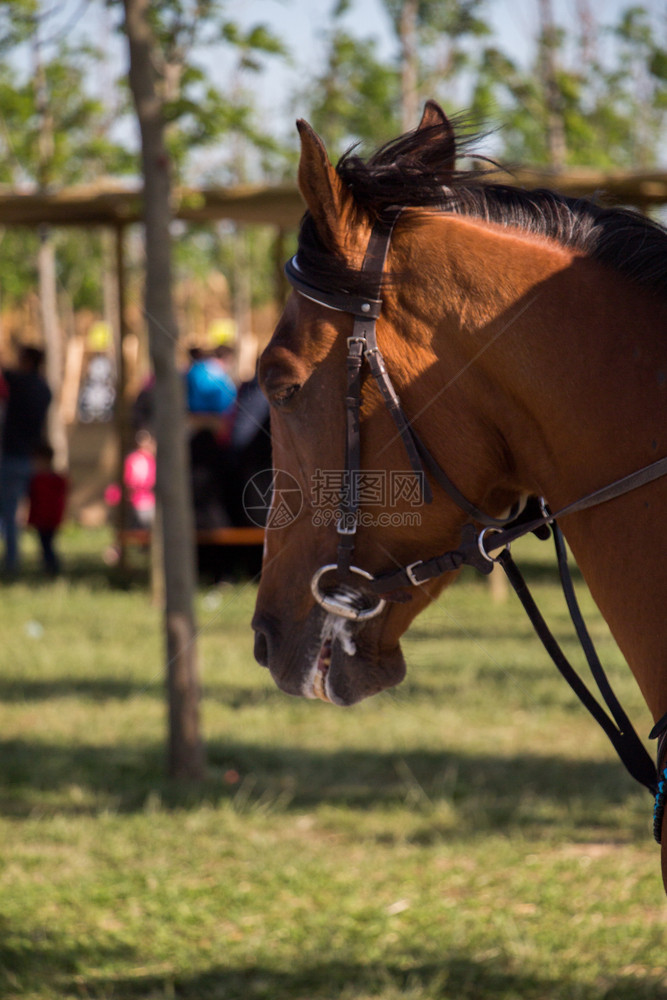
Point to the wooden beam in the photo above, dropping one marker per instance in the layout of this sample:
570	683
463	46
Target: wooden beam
106	203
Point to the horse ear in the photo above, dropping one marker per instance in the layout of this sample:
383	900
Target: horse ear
434	117
323	191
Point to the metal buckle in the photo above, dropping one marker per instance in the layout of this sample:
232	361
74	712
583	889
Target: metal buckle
340	526
409	572
355	340
482	548
545	510
336	605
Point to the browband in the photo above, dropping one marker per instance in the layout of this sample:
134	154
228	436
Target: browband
340	301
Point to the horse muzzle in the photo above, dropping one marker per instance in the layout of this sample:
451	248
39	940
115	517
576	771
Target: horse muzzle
327	657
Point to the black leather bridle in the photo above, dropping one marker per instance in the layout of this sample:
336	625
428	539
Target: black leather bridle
476	547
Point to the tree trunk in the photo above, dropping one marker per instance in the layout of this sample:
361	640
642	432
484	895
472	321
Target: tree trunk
46	267
588	31
409	85
53	344
186	751
555	125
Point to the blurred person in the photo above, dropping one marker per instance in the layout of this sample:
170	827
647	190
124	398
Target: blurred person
139	476
139	470
4	396
27	404
210	388
48	496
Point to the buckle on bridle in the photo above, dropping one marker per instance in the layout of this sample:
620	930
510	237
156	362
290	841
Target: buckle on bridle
347	524
410	573
482	547
546	513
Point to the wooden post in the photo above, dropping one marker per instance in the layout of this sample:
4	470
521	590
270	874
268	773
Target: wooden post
121	415
48	301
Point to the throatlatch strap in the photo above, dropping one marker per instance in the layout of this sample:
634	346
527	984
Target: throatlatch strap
613	491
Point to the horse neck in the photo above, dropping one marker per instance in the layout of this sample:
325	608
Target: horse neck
569	365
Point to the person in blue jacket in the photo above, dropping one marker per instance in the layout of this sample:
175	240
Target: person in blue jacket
209	386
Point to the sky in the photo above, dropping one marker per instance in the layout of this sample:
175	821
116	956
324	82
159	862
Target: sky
302	20
302	25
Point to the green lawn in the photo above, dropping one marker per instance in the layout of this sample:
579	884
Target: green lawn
469	835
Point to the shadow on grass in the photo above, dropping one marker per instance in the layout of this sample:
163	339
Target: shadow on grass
234	696
89	572
40	958
456	977
17	690
486	792
236	564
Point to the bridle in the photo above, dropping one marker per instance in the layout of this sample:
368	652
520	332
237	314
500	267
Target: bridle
362	346
476	547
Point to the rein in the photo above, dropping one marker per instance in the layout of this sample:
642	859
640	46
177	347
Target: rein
476	548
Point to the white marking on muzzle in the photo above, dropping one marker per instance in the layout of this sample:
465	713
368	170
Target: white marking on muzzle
334	629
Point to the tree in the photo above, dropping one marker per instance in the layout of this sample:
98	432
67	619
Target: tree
552	94
594	95
176	111
356	96
439	45
359	96
55	133
186	750
639	83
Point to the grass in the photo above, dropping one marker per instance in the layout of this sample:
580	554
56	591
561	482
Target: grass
469	835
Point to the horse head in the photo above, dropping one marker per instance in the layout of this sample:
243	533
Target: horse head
443	327
315	647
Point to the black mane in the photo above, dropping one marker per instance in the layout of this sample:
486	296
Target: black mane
413	171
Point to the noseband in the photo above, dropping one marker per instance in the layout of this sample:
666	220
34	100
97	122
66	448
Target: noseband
475	548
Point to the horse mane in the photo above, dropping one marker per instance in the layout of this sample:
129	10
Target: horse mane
414	170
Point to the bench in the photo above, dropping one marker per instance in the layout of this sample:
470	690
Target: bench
248	535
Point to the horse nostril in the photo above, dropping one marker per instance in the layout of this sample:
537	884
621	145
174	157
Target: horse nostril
261	648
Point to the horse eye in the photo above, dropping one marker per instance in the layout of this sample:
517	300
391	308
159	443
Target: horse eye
283	396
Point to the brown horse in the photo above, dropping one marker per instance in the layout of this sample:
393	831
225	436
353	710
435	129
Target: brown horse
524	334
